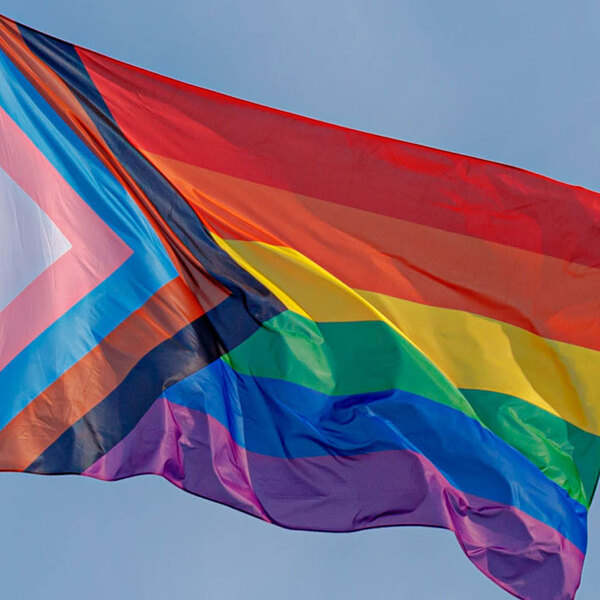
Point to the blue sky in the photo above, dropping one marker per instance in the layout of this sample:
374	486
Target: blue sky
514	81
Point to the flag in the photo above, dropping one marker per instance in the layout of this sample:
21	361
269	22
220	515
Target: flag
326	329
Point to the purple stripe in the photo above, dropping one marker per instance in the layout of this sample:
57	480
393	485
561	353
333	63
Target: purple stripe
327	493
187	448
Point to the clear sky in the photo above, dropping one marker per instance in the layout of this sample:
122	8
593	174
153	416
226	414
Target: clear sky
515	81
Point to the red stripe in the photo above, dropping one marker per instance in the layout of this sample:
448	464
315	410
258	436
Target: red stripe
541	294
440	189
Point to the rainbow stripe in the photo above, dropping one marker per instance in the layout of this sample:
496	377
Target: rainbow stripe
326	329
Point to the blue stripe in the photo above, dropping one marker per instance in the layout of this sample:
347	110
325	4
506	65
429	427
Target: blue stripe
128	288
282	419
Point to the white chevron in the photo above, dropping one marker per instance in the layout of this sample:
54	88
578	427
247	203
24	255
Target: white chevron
29	241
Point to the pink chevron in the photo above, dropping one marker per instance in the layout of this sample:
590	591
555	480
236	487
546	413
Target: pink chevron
95	252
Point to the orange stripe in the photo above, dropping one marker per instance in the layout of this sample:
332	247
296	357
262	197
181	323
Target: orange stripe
448	191
541	294
90	380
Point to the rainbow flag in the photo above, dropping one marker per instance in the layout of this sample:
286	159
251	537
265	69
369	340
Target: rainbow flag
326	329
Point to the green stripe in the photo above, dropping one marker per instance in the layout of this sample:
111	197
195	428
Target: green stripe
342	359
369	356
566	454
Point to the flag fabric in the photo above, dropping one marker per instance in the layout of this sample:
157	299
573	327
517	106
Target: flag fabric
326	329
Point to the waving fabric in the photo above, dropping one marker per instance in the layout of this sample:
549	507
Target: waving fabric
326	329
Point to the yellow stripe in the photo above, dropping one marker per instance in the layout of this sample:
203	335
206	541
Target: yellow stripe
472	351
238	253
